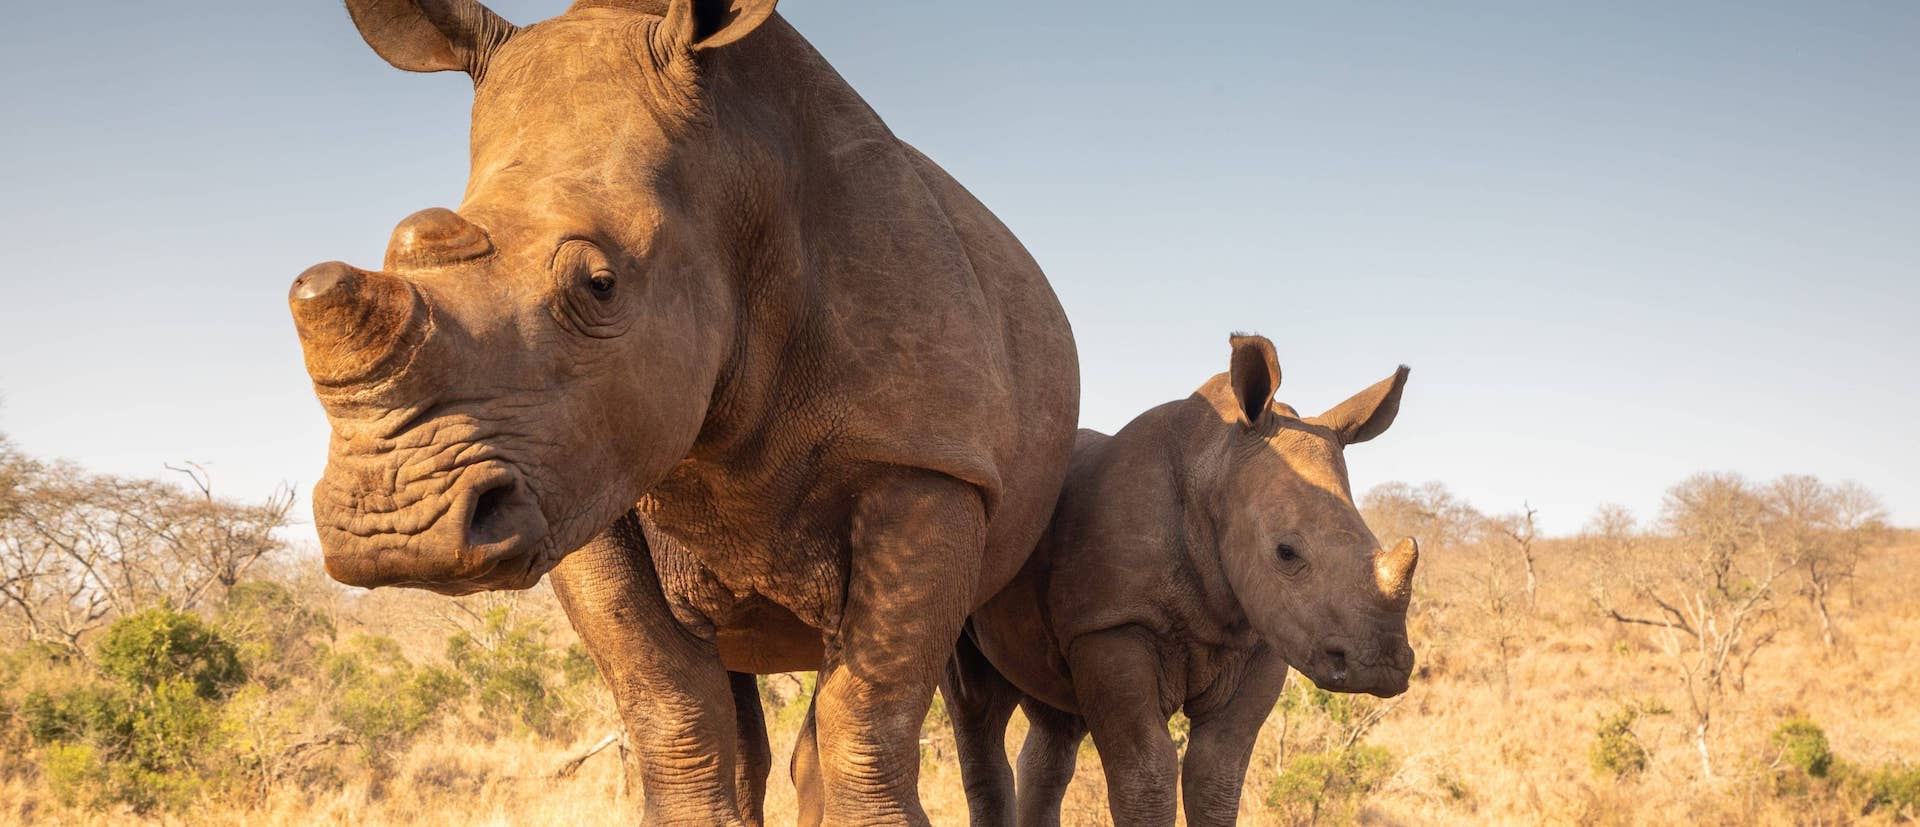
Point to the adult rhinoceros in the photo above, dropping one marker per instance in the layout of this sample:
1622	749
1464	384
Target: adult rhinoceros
758	383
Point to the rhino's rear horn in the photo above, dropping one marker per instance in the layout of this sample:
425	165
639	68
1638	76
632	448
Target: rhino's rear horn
435	237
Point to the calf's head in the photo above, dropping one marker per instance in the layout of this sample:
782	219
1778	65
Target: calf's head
1295	551
520	371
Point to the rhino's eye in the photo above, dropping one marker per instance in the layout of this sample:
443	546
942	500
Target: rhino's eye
1288	553
601	284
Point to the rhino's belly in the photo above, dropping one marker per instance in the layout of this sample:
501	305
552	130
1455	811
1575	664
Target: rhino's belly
1012	631
763	638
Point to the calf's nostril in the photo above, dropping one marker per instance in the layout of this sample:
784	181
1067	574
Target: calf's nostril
1336	657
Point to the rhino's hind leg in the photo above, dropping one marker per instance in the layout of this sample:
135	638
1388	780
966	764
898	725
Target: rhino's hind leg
754	754
675	698
1047	760
979	702
917	540
809	799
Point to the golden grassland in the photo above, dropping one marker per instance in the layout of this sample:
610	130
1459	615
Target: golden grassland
1472	741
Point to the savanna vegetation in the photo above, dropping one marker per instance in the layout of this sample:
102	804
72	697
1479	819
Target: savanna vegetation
1744	656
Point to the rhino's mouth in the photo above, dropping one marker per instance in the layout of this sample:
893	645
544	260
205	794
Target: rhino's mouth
475	527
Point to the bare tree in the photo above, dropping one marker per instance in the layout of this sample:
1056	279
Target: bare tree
219	540
1521	531
1492	612
1826	528
61	570
1708	587
77	549
1431	513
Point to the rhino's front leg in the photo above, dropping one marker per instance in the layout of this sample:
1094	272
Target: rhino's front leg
675	699
916	543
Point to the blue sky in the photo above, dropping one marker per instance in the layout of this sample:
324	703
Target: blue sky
1618	242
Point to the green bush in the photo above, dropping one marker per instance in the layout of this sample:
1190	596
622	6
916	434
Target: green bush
279	638
380	698
72	773
1330	784
146	649
86	712
1804	746
1892	790
577	666
1616	752
83	776
1340	708
509	666
150	738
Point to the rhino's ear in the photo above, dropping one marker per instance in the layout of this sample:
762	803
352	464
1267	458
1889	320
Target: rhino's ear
431	35
1254	374
1366	414
698	25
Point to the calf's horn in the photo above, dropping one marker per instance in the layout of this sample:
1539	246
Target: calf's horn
1393	569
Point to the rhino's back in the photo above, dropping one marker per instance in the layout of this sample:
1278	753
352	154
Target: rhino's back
1041	366
950	350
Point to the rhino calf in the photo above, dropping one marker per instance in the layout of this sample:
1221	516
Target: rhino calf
1192	558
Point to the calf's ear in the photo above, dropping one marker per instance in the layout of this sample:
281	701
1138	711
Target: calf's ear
1254	374
431	35
1366	414
699	25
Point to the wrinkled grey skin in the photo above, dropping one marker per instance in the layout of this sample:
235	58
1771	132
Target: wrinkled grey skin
1193	557
758	384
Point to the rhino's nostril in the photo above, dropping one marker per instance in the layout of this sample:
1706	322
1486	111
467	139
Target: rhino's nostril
1336	659
488	524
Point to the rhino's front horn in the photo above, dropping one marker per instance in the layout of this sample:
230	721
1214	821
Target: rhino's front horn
356	327
1393	569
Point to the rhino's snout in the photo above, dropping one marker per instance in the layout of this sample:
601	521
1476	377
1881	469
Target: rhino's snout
489	537
1381	668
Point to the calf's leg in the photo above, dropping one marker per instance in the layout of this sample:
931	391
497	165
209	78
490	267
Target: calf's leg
979	702
1116	682
1047	761
1221	743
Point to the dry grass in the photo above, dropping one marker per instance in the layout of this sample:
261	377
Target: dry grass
1468	746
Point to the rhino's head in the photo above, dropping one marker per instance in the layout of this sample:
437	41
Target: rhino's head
1305	568
519	372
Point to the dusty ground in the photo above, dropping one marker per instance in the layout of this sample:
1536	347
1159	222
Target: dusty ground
1465	745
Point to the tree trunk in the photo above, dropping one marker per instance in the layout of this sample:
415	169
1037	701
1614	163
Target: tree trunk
1700	744
1818	594
1533	582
